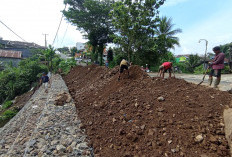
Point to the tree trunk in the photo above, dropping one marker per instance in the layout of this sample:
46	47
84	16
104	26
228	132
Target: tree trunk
101	49
93	58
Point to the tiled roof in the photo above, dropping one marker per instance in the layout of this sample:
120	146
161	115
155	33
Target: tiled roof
10	54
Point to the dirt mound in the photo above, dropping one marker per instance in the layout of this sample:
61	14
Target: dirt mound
62	99
143	116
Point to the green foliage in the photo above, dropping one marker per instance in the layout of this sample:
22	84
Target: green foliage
191	62
56	62
226	70
49	54
182	67
226	49
199	70
73	50
166	35
16	81
66	65
64	50
8	114
6	104
135	22
92	17
168	57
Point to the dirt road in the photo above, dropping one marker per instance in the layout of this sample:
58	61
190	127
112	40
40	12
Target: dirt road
226	82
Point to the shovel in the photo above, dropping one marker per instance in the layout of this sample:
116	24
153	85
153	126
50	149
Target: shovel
203	77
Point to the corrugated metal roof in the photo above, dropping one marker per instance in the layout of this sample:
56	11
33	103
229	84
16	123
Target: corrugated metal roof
10	54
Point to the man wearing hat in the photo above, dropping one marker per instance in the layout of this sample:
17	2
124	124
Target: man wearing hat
217	65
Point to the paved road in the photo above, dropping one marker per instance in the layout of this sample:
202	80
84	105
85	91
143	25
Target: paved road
226	82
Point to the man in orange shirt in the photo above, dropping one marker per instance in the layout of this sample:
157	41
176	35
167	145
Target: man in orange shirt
166	66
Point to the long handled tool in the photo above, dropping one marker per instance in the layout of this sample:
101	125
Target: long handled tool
204	76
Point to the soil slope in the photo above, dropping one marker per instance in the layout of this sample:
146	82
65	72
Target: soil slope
148	117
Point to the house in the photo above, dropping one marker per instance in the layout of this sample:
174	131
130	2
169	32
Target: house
25	47
7	56
16	50
182	58
80	46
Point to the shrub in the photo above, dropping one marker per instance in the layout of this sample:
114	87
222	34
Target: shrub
7	104
16	81
66	65
8	114
199	70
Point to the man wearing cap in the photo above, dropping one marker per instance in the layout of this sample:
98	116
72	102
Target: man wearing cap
217	65
166	66
45	81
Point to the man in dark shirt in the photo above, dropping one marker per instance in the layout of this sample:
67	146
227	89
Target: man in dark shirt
45	81
217	65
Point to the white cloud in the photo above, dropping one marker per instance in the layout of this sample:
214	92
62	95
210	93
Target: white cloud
31	18
169	3
215	29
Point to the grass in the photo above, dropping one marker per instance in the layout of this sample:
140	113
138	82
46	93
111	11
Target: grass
7	104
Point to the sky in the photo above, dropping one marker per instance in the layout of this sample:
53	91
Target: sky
30	19
198	19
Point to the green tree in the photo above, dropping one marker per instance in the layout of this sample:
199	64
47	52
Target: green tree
64	50
92	18
191	62
73	51
135	22
49	54
166	38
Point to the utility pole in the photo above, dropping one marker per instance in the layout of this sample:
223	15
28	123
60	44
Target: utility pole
206	46
45	35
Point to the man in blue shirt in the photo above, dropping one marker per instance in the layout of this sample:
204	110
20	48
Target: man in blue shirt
45	81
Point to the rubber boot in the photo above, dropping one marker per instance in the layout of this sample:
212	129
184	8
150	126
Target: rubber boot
216	83
210	80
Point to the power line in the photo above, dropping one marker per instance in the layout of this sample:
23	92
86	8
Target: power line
12	31
59	26
64	34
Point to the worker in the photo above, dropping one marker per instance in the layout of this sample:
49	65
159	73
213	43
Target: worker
216	66
123	65
45	80
166	66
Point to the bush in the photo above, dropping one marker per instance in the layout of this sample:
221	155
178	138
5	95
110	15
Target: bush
182	67
6	104
16	81
226	70
66	65
8	114
199	70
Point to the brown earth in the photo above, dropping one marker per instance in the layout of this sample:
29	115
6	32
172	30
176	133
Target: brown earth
130	118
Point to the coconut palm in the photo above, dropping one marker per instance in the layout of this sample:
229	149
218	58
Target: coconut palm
166	34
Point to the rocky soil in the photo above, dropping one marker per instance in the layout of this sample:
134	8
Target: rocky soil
43	129
141	116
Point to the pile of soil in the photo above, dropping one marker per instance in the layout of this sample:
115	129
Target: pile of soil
62	98
142	117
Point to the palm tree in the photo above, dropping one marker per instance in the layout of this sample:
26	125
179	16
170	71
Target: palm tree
166	34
